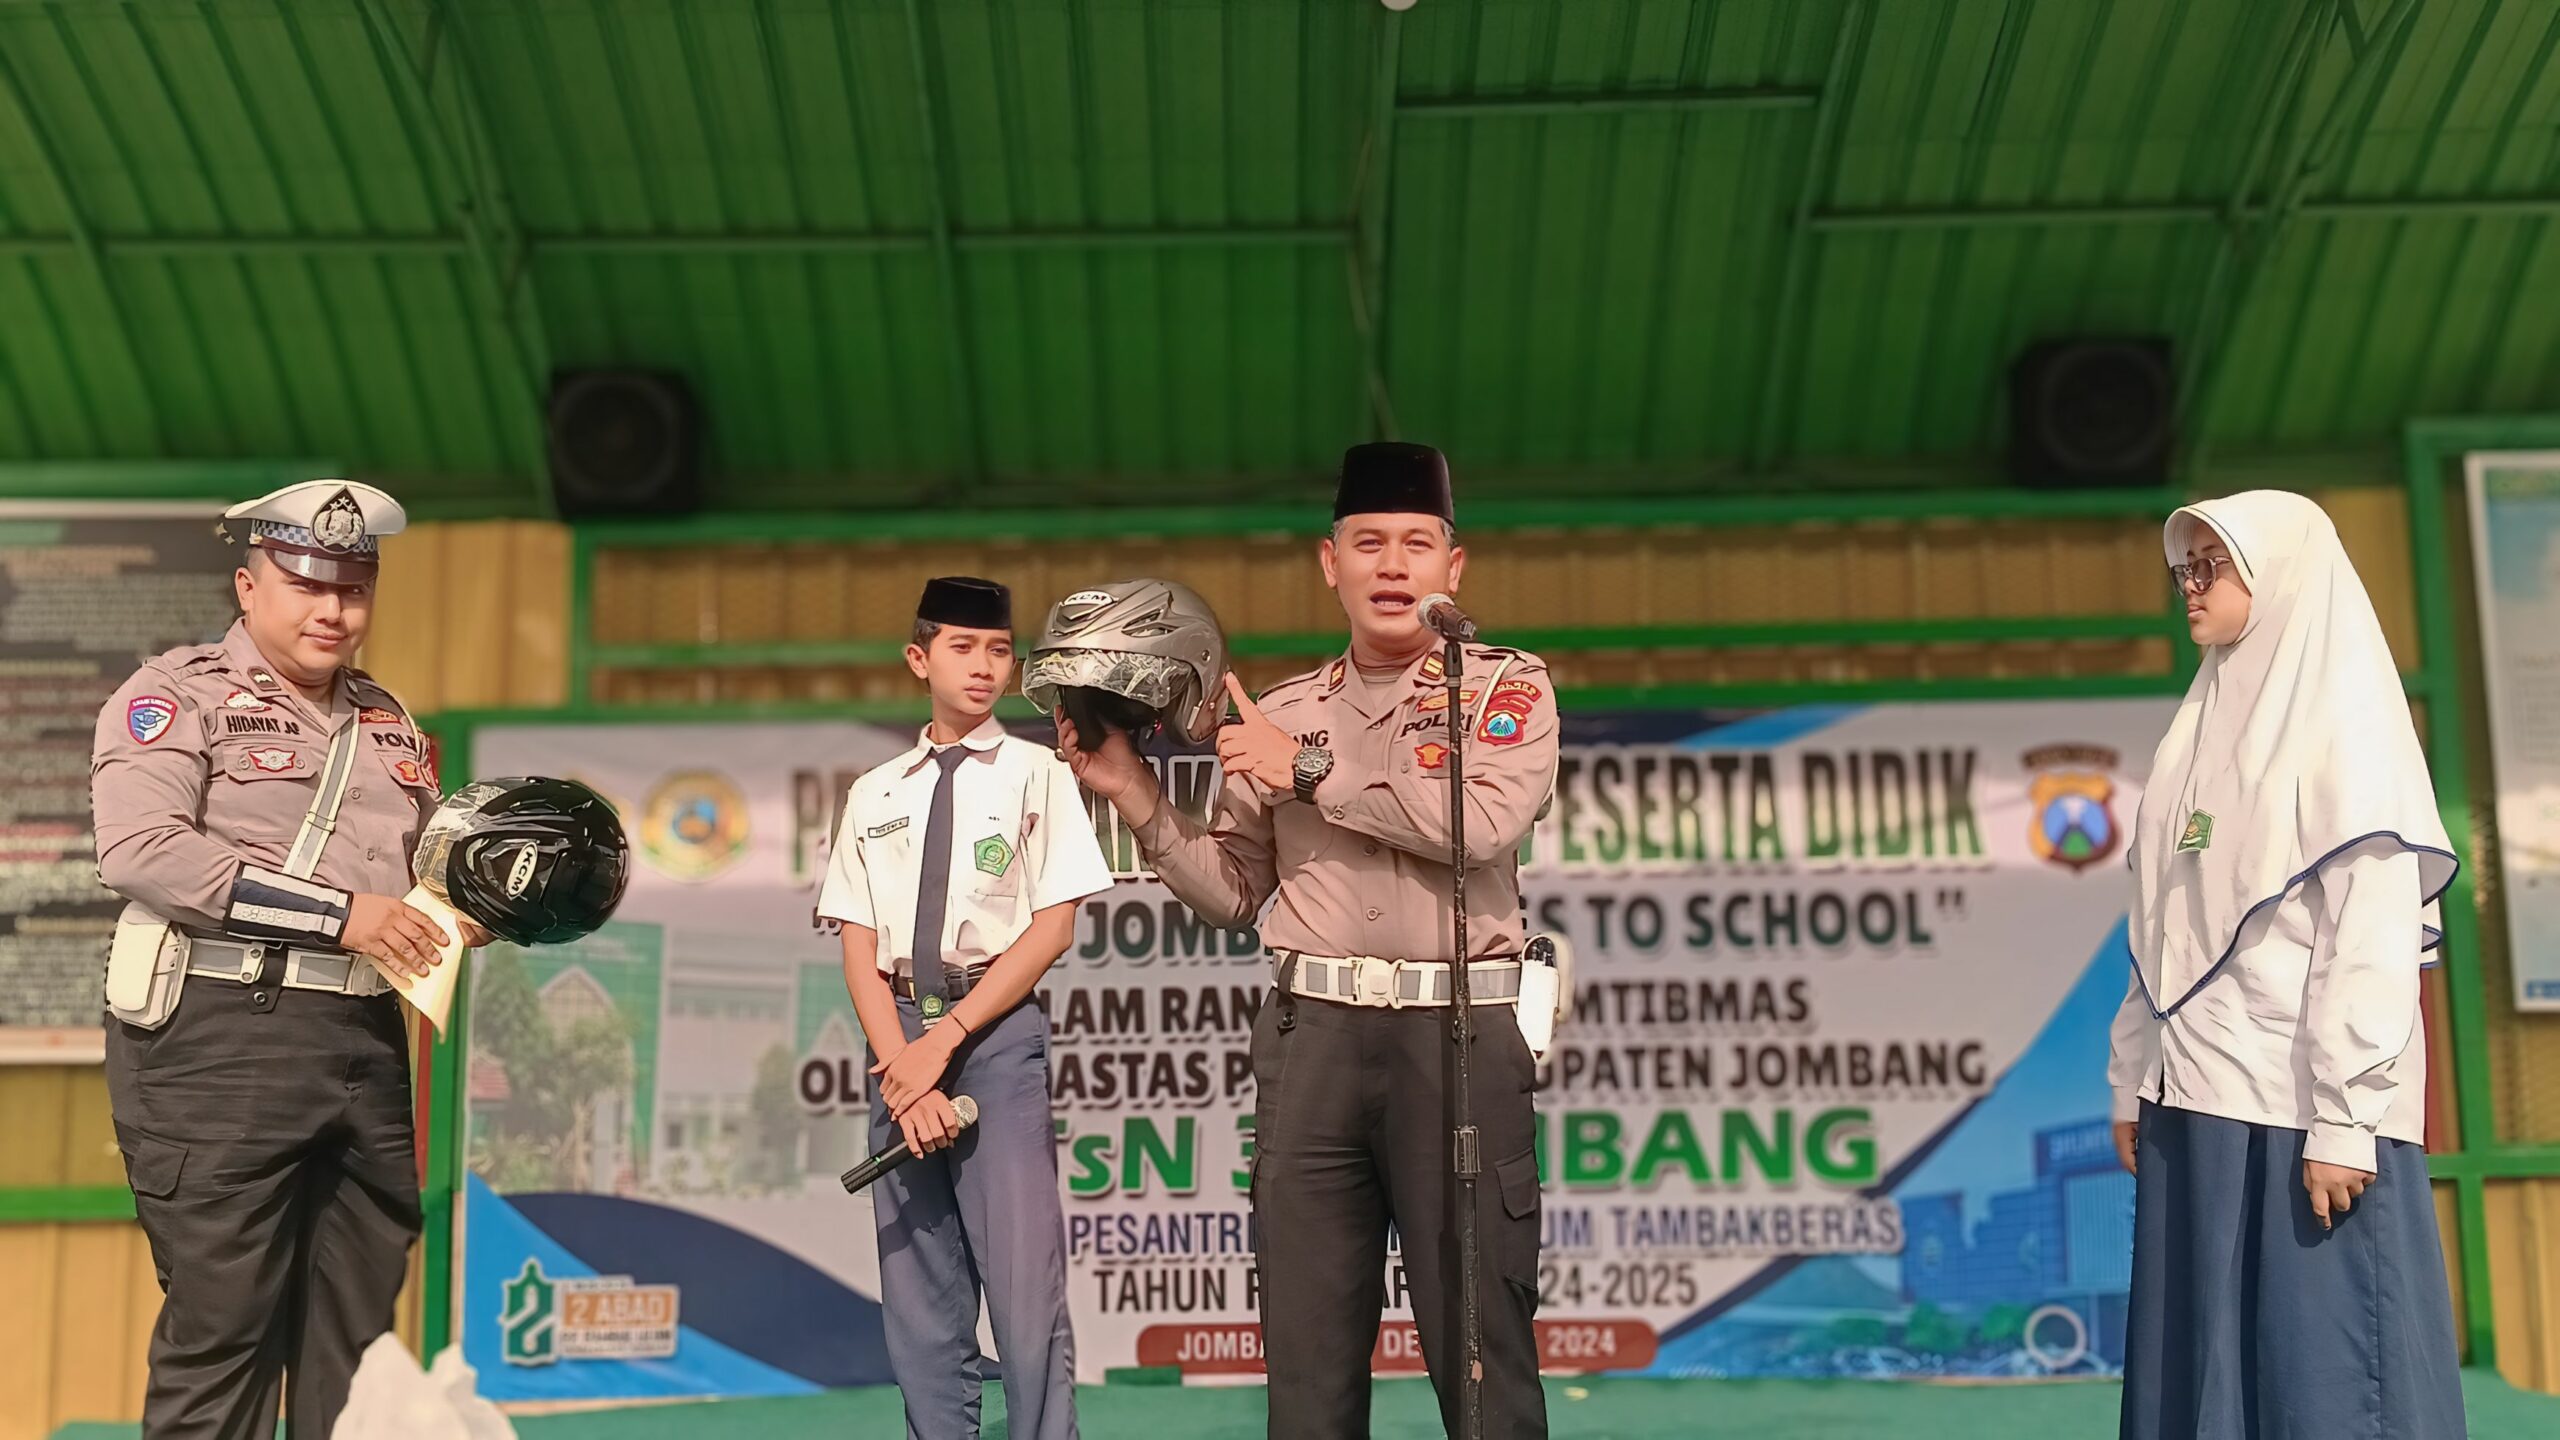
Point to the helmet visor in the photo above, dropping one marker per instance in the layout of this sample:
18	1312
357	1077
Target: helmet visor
1158	682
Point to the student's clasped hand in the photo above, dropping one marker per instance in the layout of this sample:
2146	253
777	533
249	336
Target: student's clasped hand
2333	1189
909	1075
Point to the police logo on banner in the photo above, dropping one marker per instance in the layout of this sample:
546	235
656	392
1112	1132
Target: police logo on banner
2073	799
694	826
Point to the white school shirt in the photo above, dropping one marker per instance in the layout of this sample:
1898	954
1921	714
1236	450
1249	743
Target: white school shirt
1021	841
2312	1025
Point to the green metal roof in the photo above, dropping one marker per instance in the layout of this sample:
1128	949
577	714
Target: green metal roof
1068	250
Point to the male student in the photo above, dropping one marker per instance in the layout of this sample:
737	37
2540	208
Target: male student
957	870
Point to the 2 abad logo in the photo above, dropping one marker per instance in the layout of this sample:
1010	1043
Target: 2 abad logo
542	1321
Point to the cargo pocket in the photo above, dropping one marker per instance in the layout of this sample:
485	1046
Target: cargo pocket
152	1165
1517	1251
1270	1055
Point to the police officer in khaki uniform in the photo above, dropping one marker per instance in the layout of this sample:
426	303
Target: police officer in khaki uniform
1336	799
259	1072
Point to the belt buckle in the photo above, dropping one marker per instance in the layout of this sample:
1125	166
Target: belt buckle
311	969
253	958
1374	982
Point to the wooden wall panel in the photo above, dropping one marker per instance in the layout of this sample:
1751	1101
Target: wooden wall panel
2524	1256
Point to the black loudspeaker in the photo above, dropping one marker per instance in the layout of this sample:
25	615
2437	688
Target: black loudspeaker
623	442
2092	412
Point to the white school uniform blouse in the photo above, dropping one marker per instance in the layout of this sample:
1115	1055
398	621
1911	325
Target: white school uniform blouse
1021	841
2312	1025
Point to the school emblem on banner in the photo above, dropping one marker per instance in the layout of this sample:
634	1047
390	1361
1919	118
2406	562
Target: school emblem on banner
2073	800
694	825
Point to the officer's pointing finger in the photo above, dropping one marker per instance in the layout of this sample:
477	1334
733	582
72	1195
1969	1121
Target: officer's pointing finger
1244	701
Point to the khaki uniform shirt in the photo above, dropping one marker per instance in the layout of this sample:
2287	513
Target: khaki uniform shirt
205	759
1365	869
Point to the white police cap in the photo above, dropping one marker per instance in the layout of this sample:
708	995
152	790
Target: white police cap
324	530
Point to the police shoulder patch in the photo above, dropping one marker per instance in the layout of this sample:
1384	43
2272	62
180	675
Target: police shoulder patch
148	717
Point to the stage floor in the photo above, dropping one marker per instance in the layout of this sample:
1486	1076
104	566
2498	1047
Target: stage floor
1599	1410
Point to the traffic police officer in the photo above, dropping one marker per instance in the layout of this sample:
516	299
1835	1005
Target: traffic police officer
258	801
1336	797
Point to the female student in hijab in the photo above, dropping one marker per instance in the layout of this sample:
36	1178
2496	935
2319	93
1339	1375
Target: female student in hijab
2268	1064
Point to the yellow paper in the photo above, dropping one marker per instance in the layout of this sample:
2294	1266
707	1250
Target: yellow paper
430	995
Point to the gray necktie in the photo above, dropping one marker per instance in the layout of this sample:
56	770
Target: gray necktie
933	891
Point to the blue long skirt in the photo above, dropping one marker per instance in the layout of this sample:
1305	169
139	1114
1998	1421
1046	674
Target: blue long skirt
2250	1322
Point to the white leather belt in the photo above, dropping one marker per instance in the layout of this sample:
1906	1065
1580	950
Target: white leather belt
1396	984
241	961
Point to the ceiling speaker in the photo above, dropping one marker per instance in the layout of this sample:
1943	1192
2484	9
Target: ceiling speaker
623	442
2092	412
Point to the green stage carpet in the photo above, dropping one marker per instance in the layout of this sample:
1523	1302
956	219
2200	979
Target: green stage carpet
1600	1410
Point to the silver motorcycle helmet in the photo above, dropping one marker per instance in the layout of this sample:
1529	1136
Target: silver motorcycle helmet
1132	656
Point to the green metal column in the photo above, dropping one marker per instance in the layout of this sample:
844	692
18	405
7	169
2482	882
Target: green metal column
2428	447
443	1074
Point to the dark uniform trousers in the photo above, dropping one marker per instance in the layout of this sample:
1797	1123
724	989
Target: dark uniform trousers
268	1137
1351	1131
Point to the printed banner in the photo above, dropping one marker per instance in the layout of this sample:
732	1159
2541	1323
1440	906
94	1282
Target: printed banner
1831	1100
2515	549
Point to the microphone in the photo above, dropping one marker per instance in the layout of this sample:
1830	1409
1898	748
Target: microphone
1442	617
963	1108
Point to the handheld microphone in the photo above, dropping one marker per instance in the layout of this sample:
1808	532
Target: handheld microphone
962	1107
1442	617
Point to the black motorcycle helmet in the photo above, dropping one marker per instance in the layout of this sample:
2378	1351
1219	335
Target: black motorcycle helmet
536	861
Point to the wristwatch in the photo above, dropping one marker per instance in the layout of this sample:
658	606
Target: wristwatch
1314	762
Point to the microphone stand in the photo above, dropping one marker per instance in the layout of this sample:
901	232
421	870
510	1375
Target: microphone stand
1462	1130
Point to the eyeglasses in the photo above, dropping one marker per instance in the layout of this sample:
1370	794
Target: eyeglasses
2197	578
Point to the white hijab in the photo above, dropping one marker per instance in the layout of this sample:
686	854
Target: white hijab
2296	741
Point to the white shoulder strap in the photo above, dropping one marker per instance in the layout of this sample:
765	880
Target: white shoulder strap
322	819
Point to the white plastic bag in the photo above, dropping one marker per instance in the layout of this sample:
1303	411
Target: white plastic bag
392	1399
